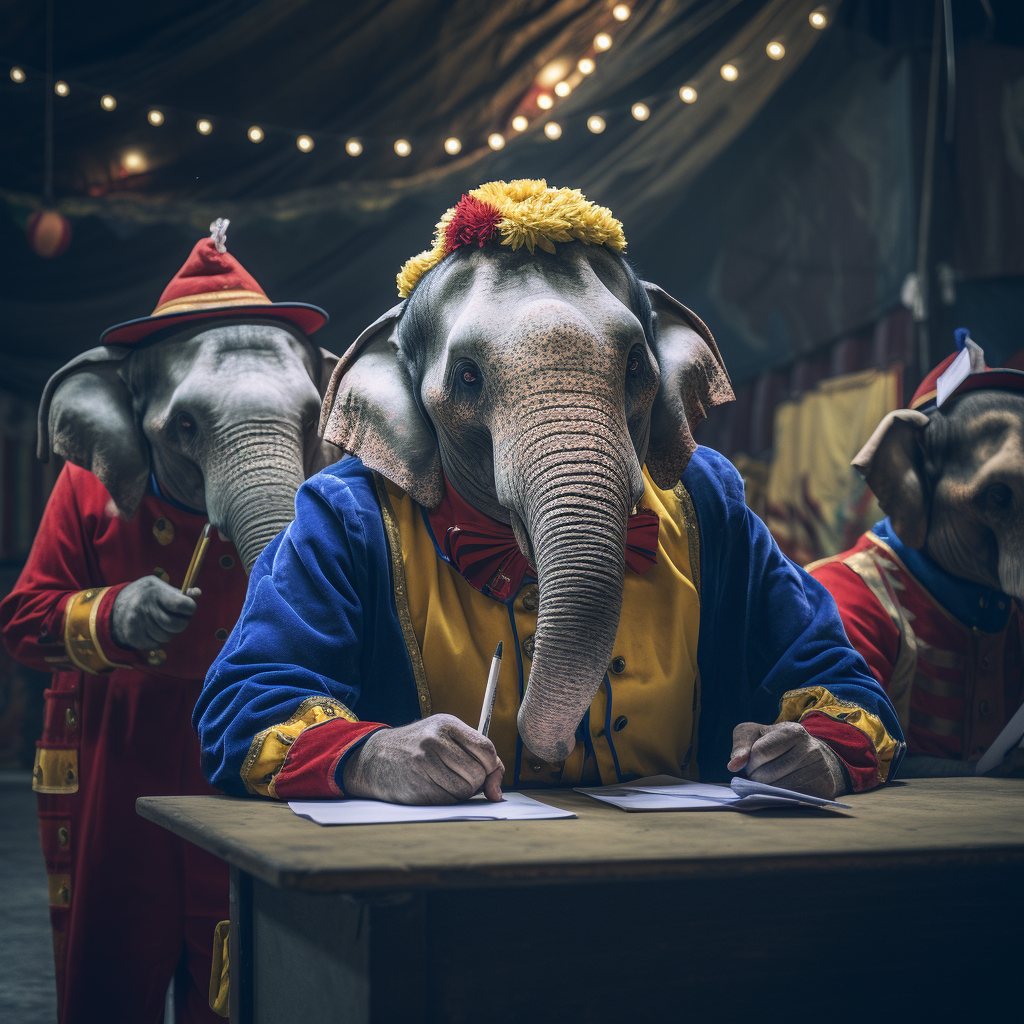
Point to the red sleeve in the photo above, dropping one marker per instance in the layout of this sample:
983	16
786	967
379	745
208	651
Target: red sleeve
871	632
850	745
312	768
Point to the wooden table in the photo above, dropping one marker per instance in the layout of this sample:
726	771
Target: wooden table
910	907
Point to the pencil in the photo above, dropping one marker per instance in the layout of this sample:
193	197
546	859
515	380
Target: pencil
489	692
197	559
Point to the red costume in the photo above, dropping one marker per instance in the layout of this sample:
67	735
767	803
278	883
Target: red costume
130	903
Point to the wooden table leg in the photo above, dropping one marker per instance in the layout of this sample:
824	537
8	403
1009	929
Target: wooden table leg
240	944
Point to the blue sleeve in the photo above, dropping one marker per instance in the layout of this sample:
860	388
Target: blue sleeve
767	627
318	619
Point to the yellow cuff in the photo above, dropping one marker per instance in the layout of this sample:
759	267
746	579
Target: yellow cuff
269	747
55	770
81	640
797	704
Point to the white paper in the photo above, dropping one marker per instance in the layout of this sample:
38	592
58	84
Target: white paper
1012	734
665	793
953	376
515	807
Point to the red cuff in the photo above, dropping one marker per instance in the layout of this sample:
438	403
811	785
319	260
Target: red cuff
849	744
308	772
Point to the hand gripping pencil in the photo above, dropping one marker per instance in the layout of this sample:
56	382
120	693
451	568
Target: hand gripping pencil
489	692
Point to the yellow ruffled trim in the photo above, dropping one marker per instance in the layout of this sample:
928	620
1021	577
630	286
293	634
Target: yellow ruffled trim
532	215
797	704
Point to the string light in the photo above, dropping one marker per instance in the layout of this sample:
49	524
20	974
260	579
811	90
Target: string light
553	130
620	12
596	124
156	118
563	89
553	72
688	94
818	18
452	146
775	50
602	41
108	102
520	123
203	126
255	133
353	147
134	161
402	147
641	111
545	102
17	75
305	143
729	72
62	88
495	140
586	66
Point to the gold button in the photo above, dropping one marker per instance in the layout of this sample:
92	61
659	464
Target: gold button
528	645
62	893
71	776
423	697
157	657
531	598
226	561
71	718
37	773
161	574
163	530
63	836
88	595
221	634
618	665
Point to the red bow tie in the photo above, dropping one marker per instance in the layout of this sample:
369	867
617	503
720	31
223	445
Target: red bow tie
485	551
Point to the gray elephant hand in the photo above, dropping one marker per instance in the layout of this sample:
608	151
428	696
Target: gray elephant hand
438	760
149	612
787	755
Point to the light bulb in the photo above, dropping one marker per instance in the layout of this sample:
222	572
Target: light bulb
134	161
17	75
818	18
305	143
596	124
61	88
255	133
563	89
495	140
620	12
108	102
553	130
729	72
402	147
602	41
452	146
353	147
203	126
775	50
586	66
520	123
156	118
545	102
688	94
641	111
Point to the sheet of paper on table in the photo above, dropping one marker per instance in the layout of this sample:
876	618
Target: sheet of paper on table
665	793
515	807
1011	736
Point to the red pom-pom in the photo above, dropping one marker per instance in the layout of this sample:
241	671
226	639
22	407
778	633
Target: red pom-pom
474	221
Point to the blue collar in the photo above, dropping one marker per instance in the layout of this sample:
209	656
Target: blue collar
170	501
974	605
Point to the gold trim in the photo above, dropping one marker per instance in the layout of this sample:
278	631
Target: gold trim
55	770
81	639
59	887
402	596
212	300
693	548
220	970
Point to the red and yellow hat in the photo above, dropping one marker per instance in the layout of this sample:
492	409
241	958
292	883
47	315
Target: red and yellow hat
213	285
1001	378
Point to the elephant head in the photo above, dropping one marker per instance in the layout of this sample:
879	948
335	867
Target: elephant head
537	385
952	483
224	417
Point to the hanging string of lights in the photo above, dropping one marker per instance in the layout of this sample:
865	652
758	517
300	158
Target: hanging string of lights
556	81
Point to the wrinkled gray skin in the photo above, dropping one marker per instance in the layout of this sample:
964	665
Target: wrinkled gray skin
225	416
952	483
531	381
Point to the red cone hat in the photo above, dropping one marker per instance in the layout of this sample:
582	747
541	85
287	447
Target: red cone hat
213	285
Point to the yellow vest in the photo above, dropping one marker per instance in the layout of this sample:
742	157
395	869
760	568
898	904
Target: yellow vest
643	719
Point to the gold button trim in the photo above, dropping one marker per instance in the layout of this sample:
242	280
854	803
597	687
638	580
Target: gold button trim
63	836
226	561
163	530
156	657
221	634
60	890
531	598
71	718
528	645
162	574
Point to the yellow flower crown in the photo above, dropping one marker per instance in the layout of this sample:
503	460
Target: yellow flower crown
524	212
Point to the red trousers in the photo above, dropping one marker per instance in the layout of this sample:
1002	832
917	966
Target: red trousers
138	903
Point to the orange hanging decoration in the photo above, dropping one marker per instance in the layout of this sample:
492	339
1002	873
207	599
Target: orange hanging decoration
48	233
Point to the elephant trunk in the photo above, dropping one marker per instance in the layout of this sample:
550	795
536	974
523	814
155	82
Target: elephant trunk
251	481
578	482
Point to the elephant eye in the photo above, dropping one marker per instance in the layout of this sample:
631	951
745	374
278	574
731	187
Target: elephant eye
468	374
185	424
998	497
633	363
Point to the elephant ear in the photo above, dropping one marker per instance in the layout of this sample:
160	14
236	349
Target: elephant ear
892	463
693	380
328	361
86	416
370	411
